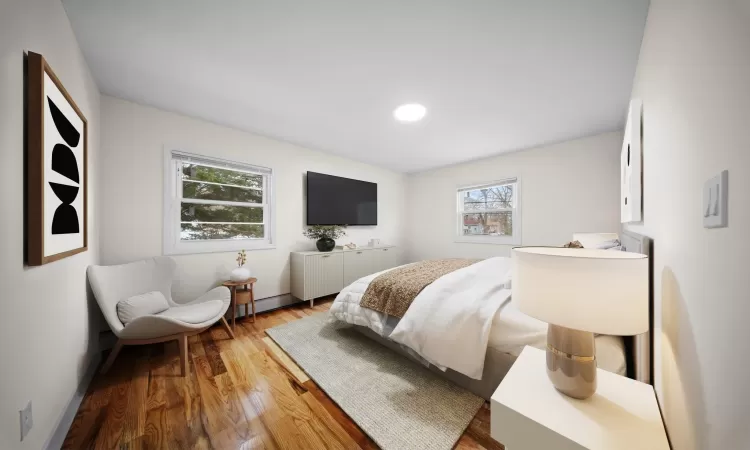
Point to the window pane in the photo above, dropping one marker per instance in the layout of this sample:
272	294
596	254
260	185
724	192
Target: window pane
495	197
207	231
205	191
488	224
218	213
223	176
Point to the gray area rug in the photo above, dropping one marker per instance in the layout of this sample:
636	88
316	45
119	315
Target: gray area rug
398	403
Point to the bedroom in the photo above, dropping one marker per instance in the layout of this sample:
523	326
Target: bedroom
529	100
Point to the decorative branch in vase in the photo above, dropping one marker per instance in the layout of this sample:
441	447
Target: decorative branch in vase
241	273
326	235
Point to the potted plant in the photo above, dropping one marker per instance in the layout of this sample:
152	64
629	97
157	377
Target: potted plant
240	273
325	236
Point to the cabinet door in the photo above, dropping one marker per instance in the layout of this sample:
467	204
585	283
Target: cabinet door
357	264
324	274
384	258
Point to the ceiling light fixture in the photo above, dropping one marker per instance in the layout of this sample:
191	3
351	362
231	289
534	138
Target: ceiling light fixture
411	112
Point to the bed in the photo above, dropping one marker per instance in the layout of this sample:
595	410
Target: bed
508	332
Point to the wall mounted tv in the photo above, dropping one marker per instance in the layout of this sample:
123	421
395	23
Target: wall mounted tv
340	201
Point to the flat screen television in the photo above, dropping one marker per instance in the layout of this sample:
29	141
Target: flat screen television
340	201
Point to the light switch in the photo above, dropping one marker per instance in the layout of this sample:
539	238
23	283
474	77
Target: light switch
715	192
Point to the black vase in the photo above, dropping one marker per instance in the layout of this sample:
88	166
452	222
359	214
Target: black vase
325	244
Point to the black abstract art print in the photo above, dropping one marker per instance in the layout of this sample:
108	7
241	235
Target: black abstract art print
57	168
64	162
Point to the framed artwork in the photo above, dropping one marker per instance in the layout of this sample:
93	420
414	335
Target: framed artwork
57	169
631	174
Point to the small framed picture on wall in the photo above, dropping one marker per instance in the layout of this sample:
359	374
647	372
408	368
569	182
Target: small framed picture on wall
631	167
56	177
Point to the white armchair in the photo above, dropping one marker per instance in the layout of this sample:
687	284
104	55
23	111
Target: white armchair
114	283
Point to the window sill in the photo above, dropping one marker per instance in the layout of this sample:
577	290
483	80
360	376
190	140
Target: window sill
191	248
500	240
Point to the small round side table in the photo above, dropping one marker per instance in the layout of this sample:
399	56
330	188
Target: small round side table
242	294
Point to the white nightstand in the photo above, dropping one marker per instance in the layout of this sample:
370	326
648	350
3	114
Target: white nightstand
528	413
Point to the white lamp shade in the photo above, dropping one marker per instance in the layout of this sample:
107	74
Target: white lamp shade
600	291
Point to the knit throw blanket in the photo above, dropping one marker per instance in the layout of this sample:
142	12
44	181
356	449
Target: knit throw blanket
393	292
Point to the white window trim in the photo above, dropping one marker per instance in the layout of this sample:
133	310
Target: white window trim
173	245
515	239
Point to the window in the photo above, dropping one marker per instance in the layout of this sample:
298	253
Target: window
212	205
489	213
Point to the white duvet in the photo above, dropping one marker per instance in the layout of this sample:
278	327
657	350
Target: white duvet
451	322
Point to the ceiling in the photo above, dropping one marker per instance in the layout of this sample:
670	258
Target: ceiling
495	75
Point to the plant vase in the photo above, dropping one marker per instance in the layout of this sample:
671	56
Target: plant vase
240	274
325	244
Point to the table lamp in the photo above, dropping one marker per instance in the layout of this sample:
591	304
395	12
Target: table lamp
579	292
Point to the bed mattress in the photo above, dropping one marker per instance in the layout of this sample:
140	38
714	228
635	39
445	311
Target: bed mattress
512	330
610	354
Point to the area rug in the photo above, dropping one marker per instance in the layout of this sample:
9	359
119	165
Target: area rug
398	403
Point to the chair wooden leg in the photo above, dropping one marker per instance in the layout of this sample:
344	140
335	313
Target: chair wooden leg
112	356
227	327
183	355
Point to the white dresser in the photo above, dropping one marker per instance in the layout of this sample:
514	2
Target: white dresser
317	274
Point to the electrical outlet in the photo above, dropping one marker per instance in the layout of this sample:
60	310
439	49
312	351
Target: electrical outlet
27	421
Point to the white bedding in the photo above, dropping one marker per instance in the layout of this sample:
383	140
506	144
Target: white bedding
450	321
496	321
346	307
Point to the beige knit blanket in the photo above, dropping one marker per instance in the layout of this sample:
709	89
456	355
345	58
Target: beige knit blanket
393	292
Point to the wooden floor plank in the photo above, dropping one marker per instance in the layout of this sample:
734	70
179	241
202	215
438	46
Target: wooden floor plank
90	416
183	409
243	376
135	414
244	393
266	401
282	358
212	353
362	440
155	432
219	415
110	432
330	426
479	429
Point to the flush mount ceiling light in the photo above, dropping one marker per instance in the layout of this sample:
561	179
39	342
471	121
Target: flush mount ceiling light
411	112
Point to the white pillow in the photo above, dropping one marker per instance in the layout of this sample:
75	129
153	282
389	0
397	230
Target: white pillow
136	306
614	244
594	240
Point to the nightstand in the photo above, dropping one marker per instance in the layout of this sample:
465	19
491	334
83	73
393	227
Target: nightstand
528	413
242	294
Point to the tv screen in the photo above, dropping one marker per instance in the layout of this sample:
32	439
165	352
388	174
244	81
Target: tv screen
340	201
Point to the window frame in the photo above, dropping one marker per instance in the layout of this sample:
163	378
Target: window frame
515	238
173	245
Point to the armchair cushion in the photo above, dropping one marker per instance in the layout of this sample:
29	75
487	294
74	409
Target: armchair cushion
195	313
141	305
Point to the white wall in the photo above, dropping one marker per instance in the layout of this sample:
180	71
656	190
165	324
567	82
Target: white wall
694	79
47	323
133	140
565	188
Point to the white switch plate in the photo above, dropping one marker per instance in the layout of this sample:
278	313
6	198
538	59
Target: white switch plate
715	192
27	421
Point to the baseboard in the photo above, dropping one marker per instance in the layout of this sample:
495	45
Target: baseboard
56	439
270	304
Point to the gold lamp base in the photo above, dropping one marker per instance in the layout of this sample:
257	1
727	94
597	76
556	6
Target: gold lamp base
571	361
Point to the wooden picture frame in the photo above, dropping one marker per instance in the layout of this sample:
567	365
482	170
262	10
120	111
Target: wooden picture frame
631	167
56	168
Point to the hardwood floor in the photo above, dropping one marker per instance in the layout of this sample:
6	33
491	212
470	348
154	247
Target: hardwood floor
240	394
